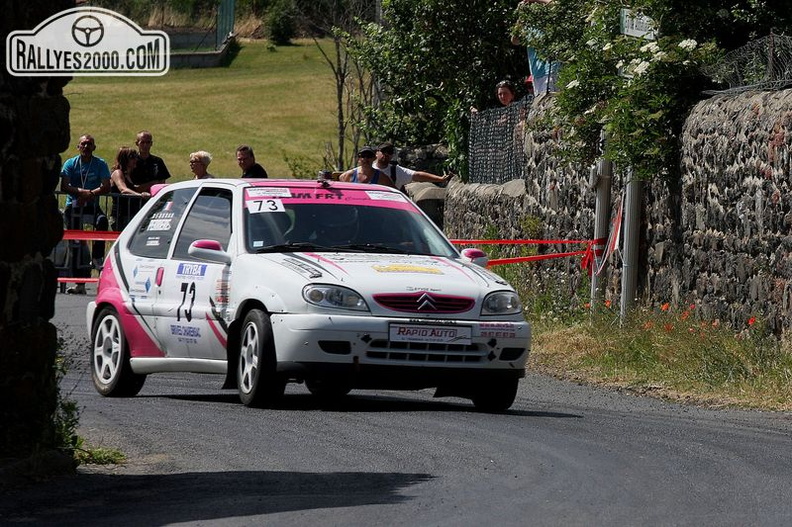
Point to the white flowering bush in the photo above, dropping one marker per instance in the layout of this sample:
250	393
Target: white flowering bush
639	91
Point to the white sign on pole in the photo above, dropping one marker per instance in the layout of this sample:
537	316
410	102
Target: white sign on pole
634	24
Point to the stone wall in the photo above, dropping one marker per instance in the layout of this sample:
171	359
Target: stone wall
720	239
34	128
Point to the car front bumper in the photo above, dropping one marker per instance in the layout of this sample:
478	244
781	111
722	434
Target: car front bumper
368	341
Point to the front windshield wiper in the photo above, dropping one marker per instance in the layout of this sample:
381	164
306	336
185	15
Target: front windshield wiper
293	247
372	248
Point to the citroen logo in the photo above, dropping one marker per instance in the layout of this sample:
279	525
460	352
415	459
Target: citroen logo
425	303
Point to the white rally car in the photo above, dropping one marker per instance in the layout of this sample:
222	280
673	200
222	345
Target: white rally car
339	285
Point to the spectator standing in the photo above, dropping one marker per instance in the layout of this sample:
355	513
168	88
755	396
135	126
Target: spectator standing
505	92
247	162
131	199
84	177
150	169
399	174
199	164
365	171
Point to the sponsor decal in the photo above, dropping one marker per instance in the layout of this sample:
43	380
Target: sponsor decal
406	268
268	192
87	41
498	329
430	334
259	206
187	270
159	225
302	268
380	195
186	334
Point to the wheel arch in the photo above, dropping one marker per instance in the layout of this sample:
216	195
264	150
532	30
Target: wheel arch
232	346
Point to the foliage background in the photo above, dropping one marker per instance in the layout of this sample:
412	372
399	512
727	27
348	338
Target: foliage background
434	60
638	91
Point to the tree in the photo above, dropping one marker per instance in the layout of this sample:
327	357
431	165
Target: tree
340	20
639	90
433	60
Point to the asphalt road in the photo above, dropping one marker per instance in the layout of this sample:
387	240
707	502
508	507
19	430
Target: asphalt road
563	455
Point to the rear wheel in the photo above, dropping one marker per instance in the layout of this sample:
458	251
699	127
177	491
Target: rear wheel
110	368
257	379
496	396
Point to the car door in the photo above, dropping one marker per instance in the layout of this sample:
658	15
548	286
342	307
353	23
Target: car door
141	263
192	291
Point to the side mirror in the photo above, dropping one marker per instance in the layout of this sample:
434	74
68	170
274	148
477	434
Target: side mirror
210	250
475	256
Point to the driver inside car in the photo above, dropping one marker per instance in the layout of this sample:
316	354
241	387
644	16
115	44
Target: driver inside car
336	225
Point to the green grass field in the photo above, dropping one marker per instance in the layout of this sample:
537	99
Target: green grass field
280	102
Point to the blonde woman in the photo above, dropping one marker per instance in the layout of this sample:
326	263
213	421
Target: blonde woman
199	164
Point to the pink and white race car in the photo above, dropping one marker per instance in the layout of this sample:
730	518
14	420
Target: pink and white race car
338	285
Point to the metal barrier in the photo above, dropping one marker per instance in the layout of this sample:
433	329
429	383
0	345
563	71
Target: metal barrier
83	247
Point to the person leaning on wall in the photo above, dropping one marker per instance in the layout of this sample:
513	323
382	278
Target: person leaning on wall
401	175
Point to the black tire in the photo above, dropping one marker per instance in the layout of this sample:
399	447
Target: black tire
497	396
257	379
112	375
328	390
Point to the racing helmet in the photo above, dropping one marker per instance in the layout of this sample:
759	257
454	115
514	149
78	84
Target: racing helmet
336	224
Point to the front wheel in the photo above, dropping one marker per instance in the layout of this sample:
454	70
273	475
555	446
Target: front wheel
110	368
496	396
257	379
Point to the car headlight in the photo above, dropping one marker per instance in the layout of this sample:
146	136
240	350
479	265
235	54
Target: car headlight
334	296
502	303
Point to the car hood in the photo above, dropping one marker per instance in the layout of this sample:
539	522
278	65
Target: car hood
371	274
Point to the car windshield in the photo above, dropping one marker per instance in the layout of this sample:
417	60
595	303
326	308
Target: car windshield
348	228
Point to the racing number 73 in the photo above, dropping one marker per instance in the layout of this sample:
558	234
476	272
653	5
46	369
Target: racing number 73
185	288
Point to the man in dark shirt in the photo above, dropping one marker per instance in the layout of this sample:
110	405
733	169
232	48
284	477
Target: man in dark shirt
150	169
247	162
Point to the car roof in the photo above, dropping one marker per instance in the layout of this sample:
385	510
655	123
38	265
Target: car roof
282	183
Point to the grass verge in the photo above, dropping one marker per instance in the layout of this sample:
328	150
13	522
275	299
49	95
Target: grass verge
671	354
278	100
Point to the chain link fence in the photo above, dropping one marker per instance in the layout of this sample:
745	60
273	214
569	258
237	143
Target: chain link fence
496	150
762	64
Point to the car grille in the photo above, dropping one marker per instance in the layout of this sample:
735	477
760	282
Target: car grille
423	302
420	352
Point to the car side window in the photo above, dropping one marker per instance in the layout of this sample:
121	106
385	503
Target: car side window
155	233
208	219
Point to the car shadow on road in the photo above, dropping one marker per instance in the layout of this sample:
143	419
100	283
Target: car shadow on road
366	402
165	499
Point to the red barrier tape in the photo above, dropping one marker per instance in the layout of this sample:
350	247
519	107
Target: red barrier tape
76	234
586	263
522	242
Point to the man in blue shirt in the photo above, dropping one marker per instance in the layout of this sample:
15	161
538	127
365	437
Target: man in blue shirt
85	177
